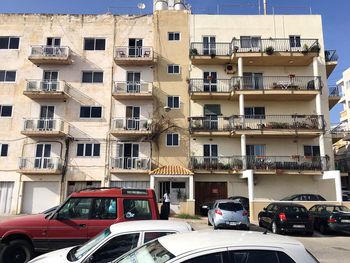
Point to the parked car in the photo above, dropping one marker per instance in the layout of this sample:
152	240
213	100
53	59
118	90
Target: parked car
227	213
304	197
346	195
205	207
114	241
82	216
331	218
286	217
220	247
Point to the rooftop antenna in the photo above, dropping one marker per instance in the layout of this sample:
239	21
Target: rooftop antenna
141	6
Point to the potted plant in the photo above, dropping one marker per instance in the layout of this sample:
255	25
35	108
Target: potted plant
305	49
235	49
269	50
212	54
193	52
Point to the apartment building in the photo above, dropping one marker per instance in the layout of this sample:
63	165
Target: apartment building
205	106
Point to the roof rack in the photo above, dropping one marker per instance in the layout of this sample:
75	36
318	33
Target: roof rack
98	188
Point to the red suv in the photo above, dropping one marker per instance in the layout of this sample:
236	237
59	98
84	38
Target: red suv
83	215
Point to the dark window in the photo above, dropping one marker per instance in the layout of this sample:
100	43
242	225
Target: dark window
3	149
178	185
92	77
104	208
88	149
53	41
229	206
96	151
80	150
137	209
311	151
254	112
4	42
173	69
100	44
9	42
219	257
259	256
294	41
94	44
174	102
172	139
212	109
154	235
7	76
75	208
90	112
173	36
294	209
5	111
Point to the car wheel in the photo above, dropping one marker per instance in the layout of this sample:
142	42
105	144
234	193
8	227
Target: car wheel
209	224
323	229
17	251
260	223
215	226
275	228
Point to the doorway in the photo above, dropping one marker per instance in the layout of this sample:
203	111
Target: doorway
133	82
46	122
132	117
43	156
135	47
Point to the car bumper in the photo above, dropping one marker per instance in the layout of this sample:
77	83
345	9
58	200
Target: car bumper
232	224
296	227
339	227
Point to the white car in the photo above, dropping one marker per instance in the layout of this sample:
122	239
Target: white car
114	241
220	247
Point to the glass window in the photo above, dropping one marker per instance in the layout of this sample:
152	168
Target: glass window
90	112
9	42
104	208
88	149
3	149
218	257
154	235
255	150
53	41
172	139
254	112
100	44
250	42
174	102
75	208
87	77
96	112
294	41
92	77
311	151
5	111
212	109
137	209
173	69
7	76
258	256
294	209
230	206
94	44
173	36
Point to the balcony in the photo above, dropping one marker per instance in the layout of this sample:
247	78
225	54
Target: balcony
132	90
221	163
43	89
40	165
131	127
281	164
342	164
340	132
343	116
258	125
257	88
130	164
331	58
334	95
130	56
257	52
50	55
38	127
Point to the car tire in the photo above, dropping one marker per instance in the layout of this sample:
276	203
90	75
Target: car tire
209	224
17	251
323	229
214	226
274	228
260	223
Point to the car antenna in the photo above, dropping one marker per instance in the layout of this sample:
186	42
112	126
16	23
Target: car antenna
265	232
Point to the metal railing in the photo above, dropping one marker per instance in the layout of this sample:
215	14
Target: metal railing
43	125
132	87
340	129
257	122
130	163
331	55
134	53
49	51
45	86
334	91
131	124
342	164
296	163
210	49
214	86
40	163
216	163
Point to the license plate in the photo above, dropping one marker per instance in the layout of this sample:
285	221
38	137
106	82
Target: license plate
232	223
298	226
345	220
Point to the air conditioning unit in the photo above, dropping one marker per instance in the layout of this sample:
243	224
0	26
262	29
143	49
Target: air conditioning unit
230	68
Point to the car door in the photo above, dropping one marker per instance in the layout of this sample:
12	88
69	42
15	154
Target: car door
211	213
258	255
265	215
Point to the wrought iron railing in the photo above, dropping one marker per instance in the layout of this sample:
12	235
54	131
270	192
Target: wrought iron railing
45	86
214	85
131	124
216	162
132	87
40	163
130	163
49	51
43	125
334	91
331	55
134	53
210	49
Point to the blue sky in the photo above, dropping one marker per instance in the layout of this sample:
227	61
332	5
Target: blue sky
335	13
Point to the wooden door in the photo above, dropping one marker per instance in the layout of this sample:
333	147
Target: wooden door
209	191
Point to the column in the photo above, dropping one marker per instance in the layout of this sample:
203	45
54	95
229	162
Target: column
151	183
335	175
248	174
190	188
243	151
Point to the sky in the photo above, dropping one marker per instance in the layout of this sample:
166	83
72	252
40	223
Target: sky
335	16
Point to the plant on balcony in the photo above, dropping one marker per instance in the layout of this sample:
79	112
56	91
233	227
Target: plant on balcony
235	49
193	52
212	55
291	76
188	80
315	48
305	49
269	50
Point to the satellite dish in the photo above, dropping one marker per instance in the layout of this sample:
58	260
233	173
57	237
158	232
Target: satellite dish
141	6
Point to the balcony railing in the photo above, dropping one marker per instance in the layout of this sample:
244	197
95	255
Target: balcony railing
214	86
40	163
132	87
50	51
134	53
43	125
334	91
343	165
331	55
130	163
210	49
296	163
131	124
45	86
216	163
257	122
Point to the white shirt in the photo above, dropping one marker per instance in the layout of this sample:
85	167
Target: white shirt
166	198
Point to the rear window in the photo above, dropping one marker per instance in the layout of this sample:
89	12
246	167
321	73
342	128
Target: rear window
294	209
137	209
231	207
154	235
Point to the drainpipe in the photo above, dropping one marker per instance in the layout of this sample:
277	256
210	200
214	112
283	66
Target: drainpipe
265	7
65	165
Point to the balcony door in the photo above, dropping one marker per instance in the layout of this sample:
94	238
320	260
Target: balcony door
135	47
209	45
133	82
210	81
46	121
210	155
253	80
50	79
251	43
211	120
53	41
132	118
43	156
128	154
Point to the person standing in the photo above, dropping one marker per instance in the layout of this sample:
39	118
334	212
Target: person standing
166	203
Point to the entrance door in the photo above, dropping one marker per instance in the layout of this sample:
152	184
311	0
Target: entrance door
210	81
210	155
46	121
131	156
132	118
253	80
43	156
209	45
209	191
135	47
50	82
211	112
163	188
6	190
133	82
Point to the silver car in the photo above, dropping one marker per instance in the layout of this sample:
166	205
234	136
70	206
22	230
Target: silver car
228	214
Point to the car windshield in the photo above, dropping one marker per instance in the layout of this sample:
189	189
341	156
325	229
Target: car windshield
294	209
229	206
78	252
152	252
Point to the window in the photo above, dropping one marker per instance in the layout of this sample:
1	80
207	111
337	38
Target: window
154	235
261	256
90	112
92	77
88	149
172	139
173	69
173	36
219	257
75	208
94	43
9	42
212	109
7	76
174	102
255	150
250	42
312	151
3	149
104	208
294	41
254	112
53	41
137	209
5	111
